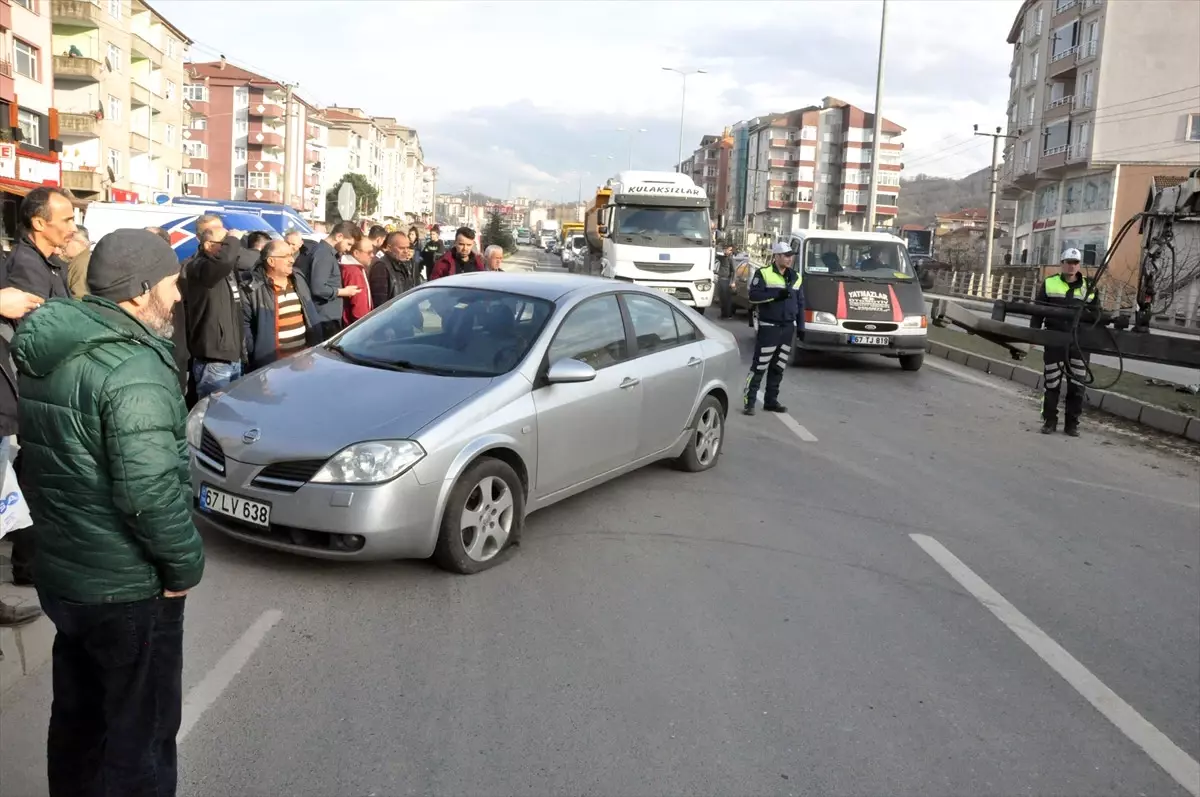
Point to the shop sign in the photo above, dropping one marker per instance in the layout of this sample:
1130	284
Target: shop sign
1045	224
15	166
120	195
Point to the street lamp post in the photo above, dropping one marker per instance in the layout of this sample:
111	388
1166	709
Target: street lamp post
869	224
682	107
631	135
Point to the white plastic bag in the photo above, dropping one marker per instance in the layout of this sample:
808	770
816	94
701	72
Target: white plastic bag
14	511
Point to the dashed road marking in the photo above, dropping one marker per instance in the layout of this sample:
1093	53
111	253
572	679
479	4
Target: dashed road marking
795	426
1178	764
203	695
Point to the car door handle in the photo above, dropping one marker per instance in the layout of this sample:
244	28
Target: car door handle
629	382
692	363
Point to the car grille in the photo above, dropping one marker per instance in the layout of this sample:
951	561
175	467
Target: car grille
664	268
211	456
287	477
870	326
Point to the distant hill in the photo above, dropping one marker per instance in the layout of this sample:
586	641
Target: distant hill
923	197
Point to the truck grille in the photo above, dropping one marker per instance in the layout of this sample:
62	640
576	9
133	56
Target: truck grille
211	455
870	326
287	477
664	268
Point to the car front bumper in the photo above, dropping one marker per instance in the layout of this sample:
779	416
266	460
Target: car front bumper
396	520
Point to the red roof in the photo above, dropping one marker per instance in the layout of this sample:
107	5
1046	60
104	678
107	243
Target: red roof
966	214
342	116
912	227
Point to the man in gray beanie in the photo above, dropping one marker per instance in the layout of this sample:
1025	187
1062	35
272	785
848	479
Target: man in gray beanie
103	428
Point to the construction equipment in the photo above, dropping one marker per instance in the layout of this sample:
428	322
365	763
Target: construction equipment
1098	331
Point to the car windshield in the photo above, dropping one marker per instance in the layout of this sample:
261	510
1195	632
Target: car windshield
672	225
852	257
453	331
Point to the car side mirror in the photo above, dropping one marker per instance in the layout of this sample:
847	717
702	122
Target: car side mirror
568	371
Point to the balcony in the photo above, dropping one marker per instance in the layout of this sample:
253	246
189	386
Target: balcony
266	110
267	167
1032	34
1064	8
777	142
1086	51
139	95
1083	103
196	107
1091	5
77	13
1053	158
140	47
781	164
264	195
77	70
1031	78
312	156
311	180
78	124
138	143
1057	109
1077	152
265	139
1062	64
312	132
82	182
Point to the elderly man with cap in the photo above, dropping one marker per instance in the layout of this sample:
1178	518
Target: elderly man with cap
1071	289
103	426
778	304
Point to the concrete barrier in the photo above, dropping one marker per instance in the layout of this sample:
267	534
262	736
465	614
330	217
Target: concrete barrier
1151	415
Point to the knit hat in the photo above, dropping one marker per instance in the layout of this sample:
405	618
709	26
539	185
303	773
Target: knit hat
127	263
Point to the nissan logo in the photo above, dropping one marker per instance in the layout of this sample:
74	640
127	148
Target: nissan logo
869	327
251	436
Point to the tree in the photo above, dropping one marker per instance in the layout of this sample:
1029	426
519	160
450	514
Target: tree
497	232
367	196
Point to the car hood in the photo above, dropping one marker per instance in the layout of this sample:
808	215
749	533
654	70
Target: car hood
315	404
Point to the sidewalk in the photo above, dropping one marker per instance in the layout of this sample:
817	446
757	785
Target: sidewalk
25	648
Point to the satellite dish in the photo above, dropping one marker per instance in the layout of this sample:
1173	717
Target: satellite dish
346	201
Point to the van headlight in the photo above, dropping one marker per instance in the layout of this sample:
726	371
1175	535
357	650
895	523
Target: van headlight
195	422
915	322
373	462
818	317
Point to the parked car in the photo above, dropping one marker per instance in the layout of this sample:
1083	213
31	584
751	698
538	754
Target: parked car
477	399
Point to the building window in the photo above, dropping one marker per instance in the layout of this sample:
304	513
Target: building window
1193	127
243	127
199	123
239	181
195	177
114	108
195	149
114	9
239	154
31	127
114	57
262	180
241	97
195	92
26	58
25	4
169	134
114	162
171	45
170	90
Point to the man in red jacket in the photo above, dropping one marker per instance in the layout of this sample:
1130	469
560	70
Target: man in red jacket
462	259
354	272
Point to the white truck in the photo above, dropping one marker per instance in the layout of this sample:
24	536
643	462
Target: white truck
652	228
547	231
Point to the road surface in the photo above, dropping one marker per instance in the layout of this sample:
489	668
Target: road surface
807	618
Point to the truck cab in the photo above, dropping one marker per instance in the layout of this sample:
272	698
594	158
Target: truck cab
653	229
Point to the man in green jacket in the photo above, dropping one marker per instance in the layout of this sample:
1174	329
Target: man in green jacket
107	484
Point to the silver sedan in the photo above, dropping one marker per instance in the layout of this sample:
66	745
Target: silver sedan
433	426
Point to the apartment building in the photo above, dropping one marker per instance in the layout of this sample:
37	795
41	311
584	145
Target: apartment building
248	137
315	163
1103	100
355	145
733	214
404	190
811	168
118	87
27	147
709	168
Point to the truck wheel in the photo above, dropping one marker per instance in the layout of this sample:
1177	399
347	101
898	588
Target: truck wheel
912	362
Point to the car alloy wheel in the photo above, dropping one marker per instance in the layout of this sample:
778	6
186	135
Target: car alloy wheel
487	519
707	436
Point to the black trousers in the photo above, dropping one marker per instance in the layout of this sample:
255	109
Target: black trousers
772	351
118	681
22	540
1058	368
330	328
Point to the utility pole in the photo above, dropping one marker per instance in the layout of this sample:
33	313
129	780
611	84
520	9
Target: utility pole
991	221
433	202
288	143
869	224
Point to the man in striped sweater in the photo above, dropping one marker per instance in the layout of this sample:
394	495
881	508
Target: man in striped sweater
280	319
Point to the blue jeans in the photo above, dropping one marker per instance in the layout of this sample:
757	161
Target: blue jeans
210	376
118	697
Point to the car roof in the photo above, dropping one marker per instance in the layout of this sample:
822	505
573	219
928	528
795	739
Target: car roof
551	287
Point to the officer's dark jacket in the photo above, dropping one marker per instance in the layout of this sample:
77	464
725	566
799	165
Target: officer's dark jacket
765	294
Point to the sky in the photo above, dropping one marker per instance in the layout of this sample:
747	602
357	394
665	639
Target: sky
523	98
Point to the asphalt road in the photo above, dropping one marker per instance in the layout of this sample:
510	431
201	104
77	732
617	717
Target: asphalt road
768	627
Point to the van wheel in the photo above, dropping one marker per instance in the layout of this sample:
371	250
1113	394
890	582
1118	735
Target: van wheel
912	362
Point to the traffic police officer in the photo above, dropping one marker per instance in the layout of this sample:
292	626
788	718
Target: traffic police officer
778	303
1069	288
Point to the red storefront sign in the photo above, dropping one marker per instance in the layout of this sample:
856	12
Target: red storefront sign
121	195
24	171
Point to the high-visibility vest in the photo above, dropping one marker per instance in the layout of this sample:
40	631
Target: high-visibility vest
1059	288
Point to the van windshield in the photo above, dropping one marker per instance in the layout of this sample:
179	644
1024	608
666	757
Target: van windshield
851	257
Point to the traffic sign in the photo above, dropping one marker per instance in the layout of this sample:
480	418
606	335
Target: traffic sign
346	200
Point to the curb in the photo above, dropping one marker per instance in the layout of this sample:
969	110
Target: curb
1158	418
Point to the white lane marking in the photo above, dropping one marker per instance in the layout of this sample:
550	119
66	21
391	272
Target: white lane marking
1178	764
796	428
995	383
1148	497
202	696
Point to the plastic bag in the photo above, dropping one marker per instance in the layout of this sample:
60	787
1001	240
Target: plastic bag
14	511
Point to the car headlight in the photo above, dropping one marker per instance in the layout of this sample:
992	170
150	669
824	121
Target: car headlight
372	462
915	322
704	286
817	317
195	422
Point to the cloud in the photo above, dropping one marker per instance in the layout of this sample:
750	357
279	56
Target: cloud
532	93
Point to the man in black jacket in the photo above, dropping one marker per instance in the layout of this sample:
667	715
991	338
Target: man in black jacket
432	251
323	273
395	271
214	311
47	221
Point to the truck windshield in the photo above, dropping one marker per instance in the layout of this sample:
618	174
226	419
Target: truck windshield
850	257
662	226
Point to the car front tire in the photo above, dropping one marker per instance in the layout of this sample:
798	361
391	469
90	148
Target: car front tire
484	516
